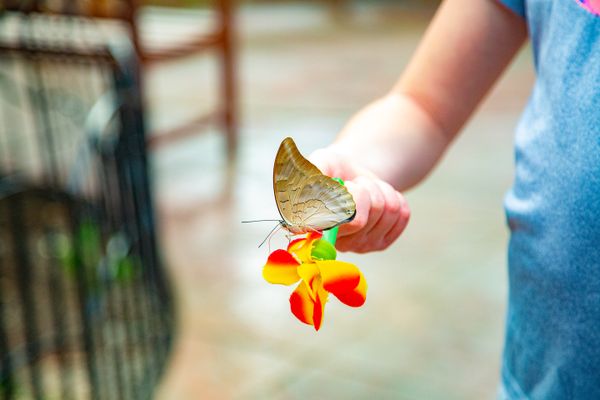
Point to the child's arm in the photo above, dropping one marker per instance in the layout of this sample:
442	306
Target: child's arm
400	137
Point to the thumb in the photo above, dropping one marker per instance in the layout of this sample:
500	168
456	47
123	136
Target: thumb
333	163
322	159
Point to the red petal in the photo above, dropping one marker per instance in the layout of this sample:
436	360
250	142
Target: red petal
281	268
295	243
304	308
318	313
338	276
355	297
302	305
313	236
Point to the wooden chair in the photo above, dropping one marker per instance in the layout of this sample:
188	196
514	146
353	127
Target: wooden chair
219	42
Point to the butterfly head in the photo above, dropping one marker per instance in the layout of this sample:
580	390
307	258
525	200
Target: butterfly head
295	229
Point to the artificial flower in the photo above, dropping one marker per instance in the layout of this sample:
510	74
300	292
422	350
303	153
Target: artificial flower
311	260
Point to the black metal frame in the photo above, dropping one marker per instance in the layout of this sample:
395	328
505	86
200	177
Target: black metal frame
221	42
85	307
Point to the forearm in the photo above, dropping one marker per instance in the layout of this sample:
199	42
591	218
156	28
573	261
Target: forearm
395	139
401	136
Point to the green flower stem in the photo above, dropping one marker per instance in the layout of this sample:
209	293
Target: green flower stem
330	235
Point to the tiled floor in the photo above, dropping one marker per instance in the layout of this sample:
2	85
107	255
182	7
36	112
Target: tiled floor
432	324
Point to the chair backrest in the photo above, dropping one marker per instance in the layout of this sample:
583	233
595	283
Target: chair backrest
118	9
84	19
85	308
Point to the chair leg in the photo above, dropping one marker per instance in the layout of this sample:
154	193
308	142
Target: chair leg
228	81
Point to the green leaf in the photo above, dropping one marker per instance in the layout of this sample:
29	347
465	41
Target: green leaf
323	250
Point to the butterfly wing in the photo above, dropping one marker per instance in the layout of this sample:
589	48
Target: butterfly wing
308	200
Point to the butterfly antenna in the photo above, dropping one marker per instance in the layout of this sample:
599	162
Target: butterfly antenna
277	230
279	225
260	220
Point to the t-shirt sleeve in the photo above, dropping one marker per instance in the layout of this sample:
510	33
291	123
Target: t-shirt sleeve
516	6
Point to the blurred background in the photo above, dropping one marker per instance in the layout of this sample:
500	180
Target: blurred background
221	84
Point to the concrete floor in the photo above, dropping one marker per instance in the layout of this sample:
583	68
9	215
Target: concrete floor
433	321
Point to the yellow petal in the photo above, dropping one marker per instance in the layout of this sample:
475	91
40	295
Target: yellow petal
309	272
338	276
302	248
355	297
305	308
302	305
281	268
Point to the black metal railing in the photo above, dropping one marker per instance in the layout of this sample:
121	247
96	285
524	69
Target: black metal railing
85	308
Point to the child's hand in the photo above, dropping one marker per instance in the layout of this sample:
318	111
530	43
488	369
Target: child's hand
381	212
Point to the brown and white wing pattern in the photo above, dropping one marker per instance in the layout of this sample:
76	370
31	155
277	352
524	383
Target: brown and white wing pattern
308	200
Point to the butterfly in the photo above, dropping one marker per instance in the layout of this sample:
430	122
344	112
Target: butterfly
307	199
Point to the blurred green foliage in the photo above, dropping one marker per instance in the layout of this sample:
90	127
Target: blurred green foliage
112	262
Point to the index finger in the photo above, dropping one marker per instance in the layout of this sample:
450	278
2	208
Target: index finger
362	200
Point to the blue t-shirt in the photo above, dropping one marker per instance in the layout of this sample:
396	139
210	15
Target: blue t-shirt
552	348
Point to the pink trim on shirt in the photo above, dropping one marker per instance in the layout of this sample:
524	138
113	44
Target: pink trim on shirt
592	6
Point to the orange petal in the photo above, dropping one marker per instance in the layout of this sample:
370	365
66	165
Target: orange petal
309	272
295	244
338	276
302	247
319	309
302	305
355	297
314	236
305	308
281	268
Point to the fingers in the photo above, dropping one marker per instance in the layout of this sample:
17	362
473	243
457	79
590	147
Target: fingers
391	212
401	223
381	216
370	203
381	212
362	199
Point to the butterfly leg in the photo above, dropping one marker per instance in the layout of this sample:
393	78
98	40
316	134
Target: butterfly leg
270	235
